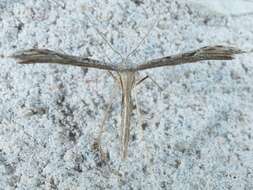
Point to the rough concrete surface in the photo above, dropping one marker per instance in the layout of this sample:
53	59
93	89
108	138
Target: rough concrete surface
197	131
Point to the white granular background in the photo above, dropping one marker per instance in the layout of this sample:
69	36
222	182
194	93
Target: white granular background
197	131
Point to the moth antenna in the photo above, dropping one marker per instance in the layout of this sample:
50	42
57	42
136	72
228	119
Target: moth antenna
140	119
142	40
103	37
63	6
108	58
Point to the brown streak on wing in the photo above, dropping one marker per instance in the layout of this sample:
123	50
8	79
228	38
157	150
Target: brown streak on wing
218	52
32	56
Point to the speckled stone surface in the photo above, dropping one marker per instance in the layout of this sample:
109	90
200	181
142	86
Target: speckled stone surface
197	131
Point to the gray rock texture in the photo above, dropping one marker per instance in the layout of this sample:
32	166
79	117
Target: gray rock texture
196	133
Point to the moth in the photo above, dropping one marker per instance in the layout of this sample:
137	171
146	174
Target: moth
125	74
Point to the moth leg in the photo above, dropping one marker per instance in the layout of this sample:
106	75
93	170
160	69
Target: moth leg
156	83
139	121
148	77
97	144
141	80
113	76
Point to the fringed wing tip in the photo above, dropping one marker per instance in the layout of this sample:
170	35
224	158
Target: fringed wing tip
234	51
19	55
28	56
219	52
33	51
231	52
